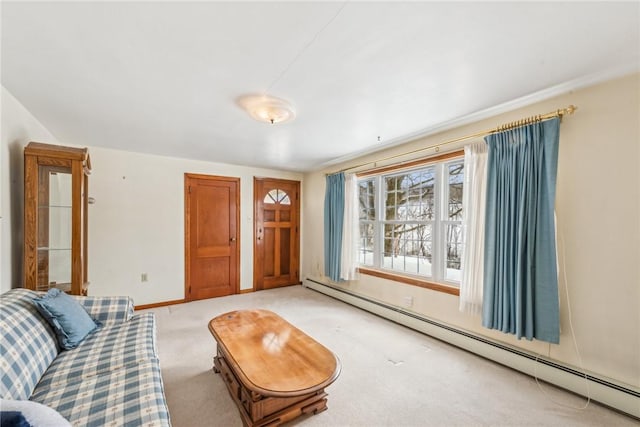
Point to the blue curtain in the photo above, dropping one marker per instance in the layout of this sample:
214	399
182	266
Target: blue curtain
520	271
333	222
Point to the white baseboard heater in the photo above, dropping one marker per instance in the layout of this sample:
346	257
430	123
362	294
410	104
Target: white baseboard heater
603	391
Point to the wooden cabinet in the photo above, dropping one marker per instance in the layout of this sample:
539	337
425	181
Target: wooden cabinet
257	410
55	217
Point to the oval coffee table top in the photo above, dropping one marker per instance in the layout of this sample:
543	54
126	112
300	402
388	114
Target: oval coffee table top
271	356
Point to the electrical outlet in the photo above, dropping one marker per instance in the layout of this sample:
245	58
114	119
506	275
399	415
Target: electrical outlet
144	277
408	301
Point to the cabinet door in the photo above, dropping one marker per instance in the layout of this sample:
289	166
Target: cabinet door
54	228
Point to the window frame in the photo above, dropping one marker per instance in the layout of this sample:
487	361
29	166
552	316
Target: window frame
437	281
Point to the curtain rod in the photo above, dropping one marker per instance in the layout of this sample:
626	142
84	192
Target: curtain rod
522	122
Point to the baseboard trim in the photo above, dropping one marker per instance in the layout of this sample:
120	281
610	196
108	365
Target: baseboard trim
601	390
178	301
159	304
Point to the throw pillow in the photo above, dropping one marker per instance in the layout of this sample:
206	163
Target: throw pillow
67	316
27	413
13	419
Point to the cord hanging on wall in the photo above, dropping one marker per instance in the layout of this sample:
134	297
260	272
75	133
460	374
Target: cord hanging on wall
269	109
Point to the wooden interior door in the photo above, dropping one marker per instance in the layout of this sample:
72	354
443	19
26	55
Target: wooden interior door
212	232
276	236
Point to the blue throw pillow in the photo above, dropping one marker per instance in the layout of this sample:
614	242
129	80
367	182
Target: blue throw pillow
68	317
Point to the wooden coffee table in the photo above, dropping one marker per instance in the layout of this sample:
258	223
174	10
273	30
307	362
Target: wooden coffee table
274	371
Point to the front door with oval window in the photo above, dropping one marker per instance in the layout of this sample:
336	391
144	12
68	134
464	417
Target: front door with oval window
276	244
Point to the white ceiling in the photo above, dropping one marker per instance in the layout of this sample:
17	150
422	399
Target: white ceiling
163	78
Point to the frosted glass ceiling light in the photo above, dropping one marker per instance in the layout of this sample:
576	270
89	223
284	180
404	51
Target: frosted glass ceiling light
266	108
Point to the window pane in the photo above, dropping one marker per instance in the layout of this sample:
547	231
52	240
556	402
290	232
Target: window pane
456	179
365	252
453	238
410	196
366	190
407	248
271	197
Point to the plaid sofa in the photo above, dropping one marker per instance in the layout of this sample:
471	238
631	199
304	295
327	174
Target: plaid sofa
111	379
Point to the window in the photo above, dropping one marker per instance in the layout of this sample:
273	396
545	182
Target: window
411	221
277	196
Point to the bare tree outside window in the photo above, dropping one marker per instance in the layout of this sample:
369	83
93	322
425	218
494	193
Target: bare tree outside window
367	220
409	212
416	209
453	221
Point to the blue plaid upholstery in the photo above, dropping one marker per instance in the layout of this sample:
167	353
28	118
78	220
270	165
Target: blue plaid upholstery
27	345
112	348
111	379
123	397
108	310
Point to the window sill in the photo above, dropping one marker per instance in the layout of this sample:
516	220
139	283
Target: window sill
448	289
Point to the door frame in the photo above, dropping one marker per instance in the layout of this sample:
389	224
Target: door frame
187	234
295	201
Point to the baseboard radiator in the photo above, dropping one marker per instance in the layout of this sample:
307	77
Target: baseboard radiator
610	394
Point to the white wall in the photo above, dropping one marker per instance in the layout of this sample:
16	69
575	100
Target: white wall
598	211
17	128
137	222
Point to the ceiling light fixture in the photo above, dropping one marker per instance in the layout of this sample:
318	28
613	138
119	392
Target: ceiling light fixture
267	108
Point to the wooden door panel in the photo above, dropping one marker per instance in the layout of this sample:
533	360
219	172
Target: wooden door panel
269	263
269	214
276	234
212	215
285	251
213	276
213	251
211	240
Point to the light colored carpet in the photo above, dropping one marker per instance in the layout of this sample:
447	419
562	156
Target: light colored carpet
391	375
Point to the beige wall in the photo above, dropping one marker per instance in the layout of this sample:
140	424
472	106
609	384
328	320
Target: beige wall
598	214
137	222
